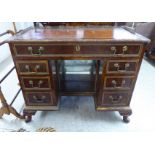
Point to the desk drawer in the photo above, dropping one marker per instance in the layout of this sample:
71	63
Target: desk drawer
39	98
43	50
118	83
76	48
36	83
115	99
112	50
32	67
122	66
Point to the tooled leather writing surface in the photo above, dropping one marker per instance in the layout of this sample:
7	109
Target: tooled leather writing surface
75	34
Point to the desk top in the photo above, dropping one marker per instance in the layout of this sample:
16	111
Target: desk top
75	34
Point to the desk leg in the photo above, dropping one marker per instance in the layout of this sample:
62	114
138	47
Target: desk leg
6	108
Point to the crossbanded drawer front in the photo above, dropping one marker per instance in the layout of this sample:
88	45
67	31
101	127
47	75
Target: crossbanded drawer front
43	50
116	83
39	98
87	48
32	67
115	98
122	66
112	50
36	83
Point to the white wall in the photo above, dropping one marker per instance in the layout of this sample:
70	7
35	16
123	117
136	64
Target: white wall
4	49
23	25
4	26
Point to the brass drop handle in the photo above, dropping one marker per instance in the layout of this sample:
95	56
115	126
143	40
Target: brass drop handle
37	67
27	67
127	65
30	49
37	99
115	99
117	66
113	49
124	49
39	83
39	52
77	48
31	83
115	85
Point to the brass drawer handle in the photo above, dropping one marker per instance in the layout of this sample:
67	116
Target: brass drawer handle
124	49
115	85
37	67
77	48
27	67
39	52
30	49
32	84
127	65
117	66
37	99
115	99
113	49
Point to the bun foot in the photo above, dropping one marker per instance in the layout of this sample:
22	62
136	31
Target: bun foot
126	119
28	115
126	113
28	119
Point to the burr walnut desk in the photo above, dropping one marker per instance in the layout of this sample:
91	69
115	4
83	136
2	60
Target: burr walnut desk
55	62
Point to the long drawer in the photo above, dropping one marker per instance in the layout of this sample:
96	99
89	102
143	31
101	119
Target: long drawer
38	50
32	67
39	98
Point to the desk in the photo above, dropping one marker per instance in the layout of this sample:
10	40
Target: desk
55	62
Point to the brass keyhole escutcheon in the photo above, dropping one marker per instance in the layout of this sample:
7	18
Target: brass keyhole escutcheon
77	48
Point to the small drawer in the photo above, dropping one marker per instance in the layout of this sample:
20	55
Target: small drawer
32	67
39	98
126	50
122	66
116	83
36	83
115	99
